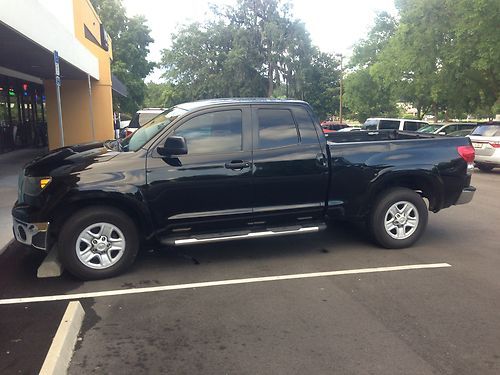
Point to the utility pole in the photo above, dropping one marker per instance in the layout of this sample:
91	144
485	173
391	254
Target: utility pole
341	83
58	97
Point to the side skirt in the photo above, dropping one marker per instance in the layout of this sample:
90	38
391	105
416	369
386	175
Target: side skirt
229	236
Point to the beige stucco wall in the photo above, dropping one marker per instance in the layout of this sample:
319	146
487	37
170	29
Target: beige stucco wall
75	103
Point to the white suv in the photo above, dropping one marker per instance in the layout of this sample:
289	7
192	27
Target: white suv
486	141
379	123
140	118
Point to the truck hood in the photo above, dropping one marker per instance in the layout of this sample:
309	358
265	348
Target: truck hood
66	160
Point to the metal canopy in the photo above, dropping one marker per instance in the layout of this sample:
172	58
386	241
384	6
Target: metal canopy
23	55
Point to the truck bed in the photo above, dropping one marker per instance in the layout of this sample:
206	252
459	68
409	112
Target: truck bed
366	163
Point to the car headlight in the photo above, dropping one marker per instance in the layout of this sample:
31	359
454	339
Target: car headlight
35	185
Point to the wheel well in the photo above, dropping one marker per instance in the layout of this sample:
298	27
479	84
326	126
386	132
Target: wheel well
64	211
421	185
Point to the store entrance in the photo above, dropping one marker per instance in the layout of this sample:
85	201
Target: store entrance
22	114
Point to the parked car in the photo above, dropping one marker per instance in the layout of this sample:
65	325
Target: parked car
486	141
460	133
350	129
329	126
379	123
446	129
233	169
140	118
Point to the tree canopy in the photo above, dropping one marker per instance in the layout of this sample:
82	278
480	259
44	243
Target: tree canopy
255	48
131	39
441	56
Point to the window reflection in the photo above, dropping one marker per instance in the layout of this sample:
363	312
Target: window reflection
215	132
276	128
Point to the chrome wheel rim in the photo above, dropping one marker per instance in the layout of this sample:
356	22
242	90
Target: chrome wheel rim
401	220
100	245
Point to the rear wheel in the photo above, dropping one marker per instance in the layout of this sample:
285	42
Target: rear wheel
98	242
485	167
398	218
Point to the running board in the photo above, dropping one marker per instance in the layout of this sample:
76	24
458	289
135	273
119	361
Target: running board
267	233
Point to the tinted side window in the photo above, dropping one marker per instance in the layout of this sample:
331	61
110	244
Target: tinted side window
411	125
307	129
450	129
388	124
276	128
215	132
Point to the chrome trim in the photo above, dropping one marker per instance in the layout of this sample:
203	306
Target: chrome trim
288	207
30	230
466	196
268	233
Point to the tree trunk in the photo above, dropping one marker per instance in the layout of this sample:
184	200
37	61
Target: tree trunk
270	85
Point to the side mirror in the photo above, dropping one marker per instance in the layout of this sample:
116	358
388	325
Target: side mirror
441	133
173	146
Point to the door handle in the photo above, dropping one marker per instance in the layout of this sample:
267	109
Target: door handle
237	164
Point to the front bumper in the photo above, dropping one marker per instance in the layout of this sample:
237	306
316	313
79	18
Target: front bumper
32	234
466	195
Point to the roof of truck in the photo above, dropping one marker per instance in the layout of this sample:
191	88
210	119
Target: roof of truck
214	102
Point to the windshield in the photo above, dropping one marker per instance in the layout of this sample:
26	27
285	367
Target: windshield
487	131
429	129
145	133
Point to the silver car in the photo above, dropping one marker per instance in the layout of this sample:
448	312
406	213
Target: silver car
486	141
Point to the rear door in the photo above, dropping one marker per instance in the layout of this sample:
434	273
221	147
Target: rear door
290	172
209	189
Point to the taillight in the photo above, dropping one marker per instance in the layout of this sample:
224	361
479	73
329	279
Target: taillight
467	153
128	132
495	144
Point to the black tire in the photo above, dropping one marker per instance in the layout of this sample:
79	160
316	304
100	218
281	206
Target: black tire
381	210
82	219
485	167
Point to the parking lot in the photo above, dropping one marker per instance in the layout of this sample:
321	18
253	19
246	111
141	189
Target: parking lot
367	320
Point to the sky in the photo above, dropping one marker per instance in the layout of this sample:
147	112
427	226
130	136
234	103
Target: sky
334	26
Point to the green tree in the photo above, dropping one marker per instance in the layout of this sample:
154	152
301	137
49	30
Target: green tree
252	49
131	39
366	97
365	94
444	55
321	84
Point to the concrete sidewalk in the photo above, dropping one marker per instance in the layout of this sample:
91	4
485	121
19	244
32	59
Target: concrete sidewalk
10	165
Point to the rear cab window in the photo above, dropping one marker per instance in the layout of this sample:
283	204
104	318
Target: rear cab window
276	128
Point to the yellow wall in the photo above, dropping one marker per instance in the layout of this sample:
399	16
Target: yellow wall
75	104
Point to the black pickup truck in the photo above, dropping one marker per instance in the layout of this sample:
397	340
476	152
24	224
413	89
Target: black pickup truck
227	169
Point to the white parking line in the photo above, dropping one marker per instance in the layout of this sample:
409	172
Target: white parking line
118	292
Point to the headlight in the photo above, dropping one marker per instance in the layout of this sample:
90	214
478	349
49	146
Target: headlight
35	185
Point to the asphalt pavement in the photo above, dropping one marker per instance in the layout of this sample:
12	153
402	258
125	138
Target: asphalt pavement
411	321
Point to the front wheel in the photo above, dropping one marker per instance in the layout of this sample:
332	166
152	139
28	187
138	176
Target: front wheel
398	218
98	242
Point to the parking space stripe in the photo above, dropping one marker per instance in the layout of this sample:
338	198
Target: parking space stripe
205	284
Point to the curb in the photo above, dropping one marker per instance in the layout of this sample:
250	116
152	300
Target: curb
61	349
51	266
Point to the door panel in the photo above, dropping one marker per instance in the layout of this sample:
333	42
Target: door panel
208	189
290	179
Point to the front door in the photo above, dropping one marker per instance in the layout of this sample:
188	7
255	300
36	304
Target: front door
209	188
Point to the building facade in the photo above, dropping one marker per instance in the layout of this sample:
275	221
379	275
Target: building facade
31	33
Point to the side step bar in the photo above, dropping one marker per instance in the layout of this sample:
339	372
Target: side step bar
229	237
